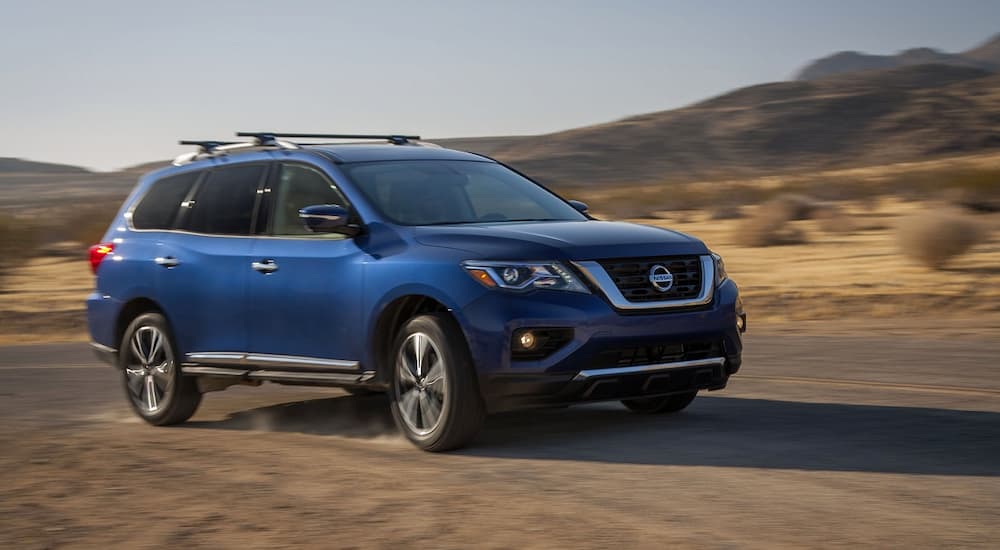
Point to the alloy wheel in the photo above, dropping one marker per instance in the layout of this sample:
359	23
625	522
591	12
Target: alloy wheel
150	369
421	384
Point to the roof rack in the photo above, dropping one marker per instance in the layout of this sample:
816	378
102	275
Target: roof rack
395	139
210	148
206	146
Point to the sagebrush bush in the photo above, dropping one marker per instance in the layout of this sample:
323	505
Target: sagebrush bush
832	219
769	224
18	238
936	237
725	212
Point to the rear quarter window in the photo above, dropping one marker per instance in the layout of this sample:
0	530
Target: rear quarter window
158	208
225	201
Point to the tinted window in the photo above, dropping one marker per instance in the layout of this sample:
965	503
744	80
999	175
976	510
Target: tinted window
158	208
225	201
300	186
427	192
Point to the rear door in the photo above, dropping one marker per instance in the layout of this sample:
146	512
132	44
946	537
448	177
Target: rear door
305	297
205	263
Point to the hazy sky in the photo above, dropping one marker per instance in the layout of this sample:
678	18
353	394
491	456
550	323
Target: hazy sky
107	84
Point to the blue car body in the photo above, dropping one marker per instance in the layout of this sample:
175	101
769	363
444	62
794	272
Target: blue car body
330	299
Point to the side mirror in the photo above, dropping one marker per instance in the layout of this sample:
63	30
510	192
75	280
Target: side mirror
581	206
328	218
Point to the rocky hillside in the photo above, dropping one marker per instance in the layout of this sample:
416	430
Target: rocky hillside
867	118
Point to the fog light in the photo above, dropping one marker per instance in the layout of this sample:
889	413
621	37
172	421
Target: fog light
526	340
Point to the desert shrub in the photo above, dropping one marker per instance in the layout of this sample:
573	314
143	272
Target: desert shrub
18	239
934	238
85	224
725	212
832	219
793	206
769	226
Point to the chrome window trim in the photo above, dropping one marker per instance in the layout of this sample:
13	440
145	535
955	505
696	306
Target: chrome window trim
616	371
596	274
272	360
270	164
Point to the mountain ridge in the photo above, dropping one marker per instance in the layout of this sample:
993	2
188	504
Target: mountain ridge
985	56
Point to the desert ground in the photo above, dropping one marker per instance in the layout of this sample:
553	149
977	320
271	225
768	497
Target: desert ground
867	413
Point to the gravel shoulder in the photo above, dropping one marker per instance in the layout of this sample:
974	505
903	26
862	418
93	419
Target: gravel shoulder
820	441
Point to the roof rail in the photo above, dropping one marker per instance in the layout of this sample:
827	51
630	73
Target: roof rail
395	139
210	148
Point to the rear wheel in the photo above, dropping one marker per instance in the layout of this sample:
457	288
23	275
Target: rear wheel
657	405
151	375
434	396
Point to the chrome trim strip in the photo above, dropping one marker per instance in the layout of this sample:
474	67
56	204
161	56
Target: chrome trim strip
300	362
217	357
270	360
102	348
615	371
596	274
337	377
107	354
212	371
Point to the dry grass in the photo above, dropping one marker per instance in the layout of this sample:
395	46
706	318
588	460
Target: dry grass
857	277
934	238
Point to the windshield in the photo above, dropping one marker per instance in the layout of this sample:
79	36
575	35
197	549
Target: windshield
437	192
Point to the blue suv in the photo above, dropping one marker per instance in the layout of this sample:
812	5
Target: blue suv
449	281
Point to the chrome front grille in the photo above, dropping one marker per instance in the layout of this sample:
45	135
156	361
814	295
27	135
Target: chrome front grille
632	277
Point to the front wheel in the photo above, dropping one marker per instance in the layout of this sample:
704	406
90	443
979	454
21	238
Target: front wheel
657	405
435	396
157	391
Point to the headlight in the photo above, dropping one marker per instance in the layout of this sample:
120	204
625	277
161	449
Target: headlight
524	275
720	269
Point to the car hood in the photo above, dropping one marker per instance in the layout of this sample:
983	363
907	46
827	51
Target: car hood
571	240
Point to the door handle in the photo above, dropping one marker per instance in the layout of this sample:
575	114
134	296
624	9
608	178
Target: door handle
265	266
167	261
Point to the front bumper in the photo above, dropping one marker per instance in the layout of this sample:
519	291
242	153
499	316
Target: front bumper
679	350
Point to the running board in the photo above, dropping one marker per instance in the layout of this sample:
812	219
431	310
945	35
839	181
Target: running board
271	375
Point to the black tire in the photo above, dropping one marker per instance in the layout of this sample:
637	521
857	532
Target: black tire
455	396
176	397
658	405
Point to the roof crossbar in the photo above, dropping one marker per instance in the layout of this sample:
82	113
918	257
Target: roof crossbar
206	146
395	139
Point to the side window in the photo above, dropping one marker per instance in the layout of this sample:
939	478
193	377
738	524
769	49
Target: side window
158	207
300	186
225	201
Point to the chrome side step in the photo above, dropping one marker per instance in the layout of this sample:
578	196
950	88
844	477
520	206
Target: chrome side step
272	375
237	358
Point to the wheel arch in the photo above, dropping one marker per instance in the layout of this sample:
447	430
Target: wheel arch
391	319
134	308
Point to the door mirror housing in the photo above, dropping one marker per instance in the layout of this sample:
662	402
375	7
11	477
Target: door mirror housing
328	218
580	206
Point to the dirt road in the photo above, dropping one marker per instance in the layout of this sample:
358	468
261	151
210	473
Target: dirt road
821	441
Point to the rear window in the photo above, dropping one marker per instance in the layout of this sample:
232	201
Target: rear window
225	201
158	208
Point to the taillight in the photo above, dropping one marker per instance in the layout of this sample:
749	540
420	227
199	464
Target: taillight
97	254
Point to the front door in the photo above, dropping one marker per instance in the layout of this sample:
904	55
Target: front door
305	294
